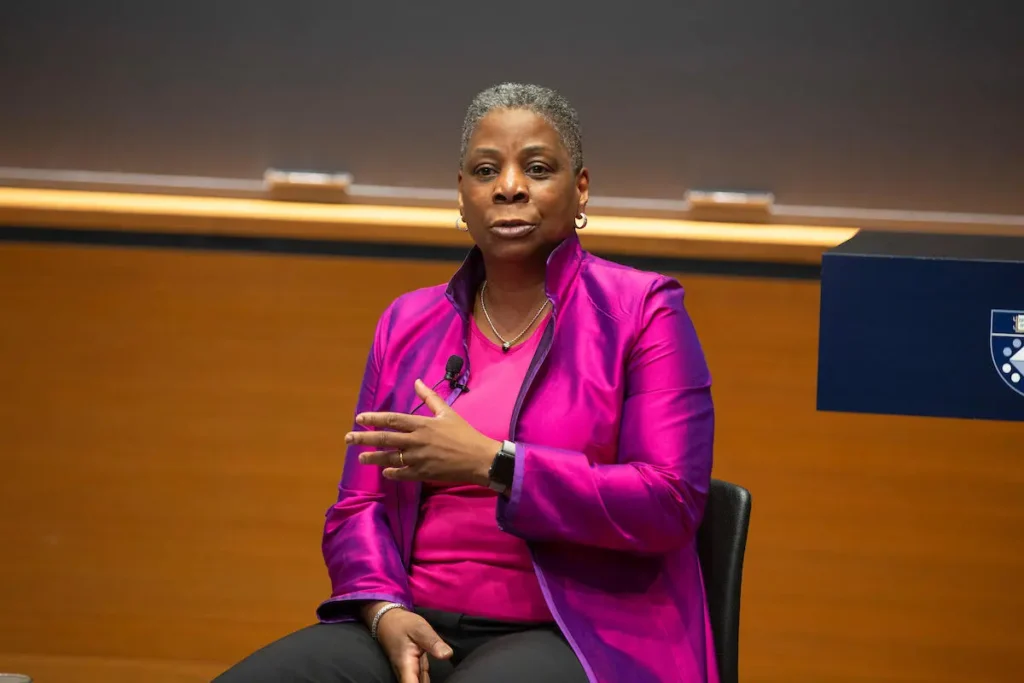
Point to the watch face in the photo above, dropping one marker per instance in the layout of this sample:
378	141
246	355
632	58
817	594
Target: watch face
504	465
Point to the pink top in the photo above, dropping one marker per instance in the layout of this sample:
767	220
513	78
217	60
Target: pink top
461	561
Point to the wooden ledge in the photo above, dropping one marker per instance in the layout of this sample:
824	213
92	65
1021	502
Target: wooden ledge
408	225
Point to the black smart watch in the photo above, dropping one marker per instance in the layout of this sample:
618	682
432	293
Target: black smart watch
503	468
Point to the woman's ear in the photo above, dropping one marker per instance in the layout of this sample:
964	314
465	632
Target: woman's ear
459	182
583	187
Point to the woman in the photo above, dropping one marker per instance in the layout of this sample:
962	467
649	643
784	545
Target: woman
532	518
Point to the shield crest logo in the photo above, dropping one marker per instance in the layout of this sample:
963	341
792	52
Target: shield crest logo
1007	337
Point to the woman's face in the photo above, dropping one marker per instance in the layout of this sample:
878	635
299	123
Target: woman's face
517	189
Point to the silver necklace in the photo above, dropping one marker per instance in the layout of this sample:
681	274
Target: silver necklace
507	343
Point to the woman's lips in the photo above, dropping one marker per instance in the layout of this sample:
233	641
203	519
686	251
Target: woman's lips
512	230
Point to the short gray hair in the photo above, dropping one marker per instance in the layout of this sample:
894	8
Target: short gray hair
544	102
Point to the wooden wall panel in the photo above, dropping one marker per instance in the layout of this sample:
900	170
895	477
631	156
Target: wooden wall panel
170	436
882	548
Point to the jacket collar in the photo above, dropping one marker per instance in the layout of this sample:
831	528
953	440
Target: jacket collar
562	265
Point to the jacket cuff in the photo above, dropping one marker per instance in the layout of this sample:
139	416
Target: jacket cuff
345	608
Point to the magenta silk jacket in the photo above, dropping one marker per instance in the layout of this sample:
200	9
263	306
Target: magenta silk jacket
613	428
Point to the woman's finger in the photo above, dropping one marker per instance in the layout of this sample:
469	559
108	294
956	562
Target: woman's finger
424	668
382	458
402	474
399	422
381	441
436	404
409	669
424	635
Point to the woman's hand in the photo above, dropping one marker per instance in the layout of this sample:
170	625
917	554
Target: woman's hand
406	638
439	448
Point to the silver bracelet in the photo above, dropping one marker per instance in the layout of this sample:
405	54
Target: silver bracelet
381	612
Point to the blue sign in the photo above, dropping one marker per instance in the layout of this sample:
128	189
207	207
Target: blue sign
902	326
1007	335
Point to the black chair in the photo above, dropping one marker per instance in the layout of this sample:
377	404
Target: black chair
721	542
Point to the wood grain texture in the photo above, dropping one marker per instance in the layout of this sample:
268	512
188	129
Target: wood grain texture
170	436
61	669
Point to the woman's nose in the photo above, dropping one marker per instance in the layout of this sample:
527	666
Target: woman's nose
511	186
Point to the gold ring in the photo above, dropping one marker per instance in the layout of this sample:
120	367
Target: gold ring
401	458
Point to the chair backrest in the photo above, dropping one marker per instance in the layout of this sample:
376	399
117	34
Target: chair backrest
721	543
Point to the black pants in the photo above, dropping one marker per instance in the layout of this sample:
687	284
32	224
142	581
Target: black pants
486	651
